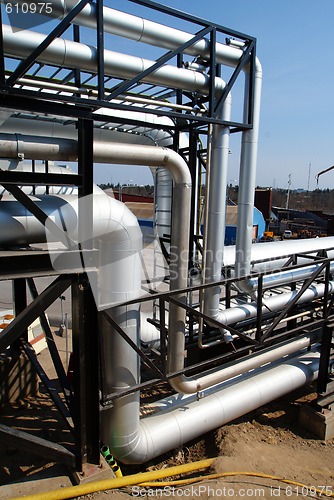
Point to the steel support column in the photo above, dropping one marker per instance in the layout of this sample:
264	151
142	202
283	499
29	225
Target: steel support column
20	303
324	366
85	372
84	318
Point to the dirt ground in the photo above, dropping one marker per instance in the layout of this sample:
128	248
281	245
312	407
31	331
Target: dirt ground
268	441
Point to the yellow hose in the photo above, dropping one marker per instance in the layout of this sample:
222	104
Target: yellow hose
108	484
181	482
148	479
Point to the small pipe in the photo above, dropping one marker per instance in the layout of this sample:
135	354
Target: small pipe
109	458
105	450
196	384
86	90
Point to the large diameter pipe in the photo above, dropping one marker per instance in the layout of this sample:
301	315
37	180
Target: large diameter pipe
69	54
284	277
266	257
116	234
170	426
111	132
145	31
126	154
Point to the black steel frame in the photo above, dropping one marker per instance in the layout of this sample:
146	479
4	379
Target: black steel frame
321	326
80	406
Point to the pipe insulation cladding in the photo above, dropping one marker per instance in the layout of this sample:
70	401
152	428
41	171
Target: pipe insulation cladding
179	419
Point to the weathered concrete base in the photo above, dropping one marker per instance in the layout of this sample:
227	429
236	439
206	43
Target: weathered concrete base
18	378
321	423
93	472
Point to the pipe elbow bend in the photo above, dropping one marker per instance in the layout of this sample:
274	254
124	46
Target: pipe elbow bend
185	385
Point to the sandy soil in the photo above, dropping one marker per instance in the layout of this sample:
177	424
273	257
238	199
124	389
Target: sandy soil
268	441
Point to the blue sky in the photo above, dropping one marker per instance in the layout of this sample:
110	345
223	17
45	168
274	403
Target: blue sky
295	47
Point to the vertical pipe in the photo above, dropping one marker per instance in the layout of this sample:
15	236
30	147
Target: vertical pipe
247	179
216	187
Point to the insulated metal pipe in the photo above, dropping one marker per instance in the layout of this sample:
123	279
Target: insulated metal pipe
284	277
179	419
247	179
124	65
145	31
110	131
215	234
265	257
215	222
69	54
191	385
196	384
274	303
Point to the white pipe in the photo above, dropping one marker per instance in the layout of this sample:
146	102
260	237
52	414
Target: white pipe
19	166
250	152
145	31
179	419
215	234
196	384
163	203
69	54
278	252
116	234
215	222
191	385
274	303
145	135
284	277
247	179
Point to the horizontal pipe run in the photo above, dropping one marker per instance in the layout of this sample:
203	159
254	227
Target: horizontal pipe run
69	54
56	87
169	427
191	385
145	31
265	257
272	304
284	277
